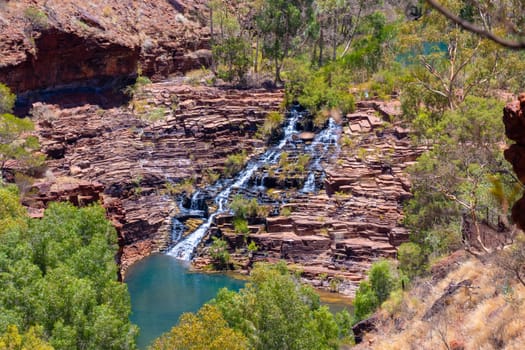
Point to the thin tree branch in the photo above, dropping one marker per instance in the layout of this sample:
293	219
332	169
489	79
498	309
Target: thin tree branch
516	45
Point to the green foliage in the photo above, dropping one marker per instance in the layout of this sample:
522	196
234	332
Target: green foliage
7	99
240	225
246	208
219	252
233	54
12	214
320	90
456	177
206	330
32	339
252	247
272	123
16	144
37	18
274	311
368	53
365	301
280	23
286	211
382	280
411	259
138	86
185	186
235	163
59	273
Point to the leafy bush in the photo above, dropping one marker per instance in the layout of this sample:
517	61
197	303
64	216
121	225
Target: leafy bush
382	280
240	225
205	330
63	267
7	99
320	90
235	163
272	123
245	208
219	252
411	259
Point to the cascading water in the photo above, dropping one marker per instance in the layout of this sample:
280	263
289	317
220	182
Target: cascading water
319	149
184	249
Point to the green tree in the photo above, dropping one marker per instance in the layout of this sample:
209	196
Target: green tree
231	46
280	23
382	280
206	330
452	182
32	339
59	272
7	99
15	143
411	259
219	253
274	311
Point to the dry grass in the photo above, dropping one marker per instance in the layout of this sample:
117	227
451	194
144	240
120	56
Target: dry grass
488	315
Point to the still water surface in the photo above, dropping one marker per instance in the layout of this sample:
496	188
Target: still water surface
162	289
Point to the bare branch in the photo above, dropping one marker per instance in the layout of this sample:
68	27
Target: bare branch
516	45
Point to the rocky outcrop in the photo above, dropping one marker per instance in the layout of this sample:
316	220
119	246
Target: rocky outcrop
334	236
64	44
514	120
133	157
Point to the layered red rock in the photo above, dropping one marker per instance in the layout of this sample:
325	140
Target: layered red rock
133	158
356	219
61	42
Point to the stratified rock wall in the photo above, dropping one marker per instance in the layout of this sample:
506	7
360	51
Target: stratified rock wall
60	42
514	120
133	158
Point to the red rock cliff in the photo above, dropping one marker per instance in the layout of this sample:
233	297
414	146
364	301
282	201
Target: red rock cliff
45	44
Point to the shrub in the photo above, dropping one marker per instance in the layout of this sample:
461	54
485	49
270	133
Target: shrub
240	225
411	259
381	279
373	292
235	163
219	252
7	99
245	208
272	123
365	301
37	18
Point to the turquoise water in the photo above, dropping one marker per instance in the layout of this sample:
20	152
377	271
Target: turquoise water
162	289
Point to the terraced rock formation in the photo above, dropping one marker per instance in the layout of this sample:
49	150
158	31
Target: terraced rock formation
336	233
138	161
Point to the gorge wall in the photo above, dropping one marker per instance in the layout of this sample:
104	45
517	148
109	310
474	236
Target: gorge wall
56	43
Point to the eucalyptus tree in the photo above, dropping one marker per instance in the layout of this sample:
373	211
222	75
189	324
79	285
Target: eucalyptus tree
282	25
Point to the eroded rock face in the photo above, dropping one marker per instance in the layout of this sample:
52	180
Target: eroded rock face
335	235
514	120
61	42
132	157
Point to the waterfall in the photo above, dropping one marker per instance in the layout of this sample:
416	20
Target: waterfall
184	249
319	149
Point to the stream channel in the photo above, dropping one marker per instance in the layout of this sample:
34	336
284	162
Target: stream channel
162	287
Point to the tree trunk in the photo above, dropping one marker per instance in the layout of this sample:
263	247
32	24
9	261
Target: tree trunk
321	43
256	60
